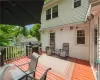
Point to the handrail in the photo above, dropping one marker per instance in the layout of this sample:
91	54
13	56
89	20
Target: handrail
12	52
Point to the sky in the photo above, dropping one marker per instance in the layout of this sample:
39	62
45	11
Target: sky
29	26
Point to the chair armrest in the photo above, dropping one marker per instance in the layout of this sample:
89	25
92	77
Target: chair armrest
42	78
44	75
27	75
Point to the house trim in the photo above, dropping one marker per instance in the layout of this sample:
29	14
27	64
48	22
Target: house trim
62	25
50	3
88	12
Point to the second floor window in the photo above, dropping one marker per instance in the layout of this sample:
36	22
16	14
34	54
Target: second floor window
55	11
77	3
48	14
80	37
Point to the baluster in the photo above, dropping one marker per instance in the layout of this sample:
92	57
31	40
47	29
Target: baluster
11	52
6	53
16	52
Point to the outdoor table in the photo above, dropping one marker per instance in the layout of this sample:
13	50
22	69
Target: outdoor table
13	73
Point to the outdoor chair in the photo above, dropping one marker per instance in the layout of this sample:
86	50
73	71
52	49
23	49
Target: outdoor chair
30	73
57	52
64	52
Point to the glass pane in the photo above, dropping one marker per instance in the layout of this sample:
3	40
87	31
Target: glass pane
77	3
80	40
48	11
55	9
48	17
55	14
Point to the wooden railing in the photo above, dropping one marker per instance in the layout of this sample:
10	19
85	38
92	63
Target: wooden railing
12	52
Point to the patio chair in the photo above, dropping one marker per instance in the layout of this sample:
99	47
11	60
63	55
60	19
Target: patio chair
30	74
57	52
64	52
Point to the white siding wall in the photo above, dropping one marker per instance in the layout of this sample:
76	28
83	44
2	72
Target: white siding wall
69	36
44	39
66	13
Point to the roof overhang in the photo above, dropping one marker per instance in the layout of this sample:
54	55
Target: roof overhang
51	2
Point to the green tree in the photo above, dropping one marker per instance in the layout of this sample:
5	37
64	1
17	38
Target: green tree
25	32
46	1
34	31
7	32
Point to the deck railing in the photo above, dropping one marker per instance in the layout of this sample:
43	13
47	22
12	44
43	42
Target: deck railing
12	52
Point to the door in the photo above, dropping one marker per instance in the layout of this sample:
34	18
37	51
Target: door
52	40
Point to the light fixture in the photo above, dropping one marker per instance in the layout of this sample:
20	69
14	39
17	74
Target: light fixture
71	28
61	29
76	27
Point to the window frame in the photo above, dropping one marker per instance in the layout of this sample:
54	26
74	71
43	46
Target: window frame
53	38
82	43
77	6
49	14
55	11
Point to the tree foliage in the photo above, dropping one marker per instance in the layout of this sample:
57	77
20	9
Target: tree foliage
7	32
47	1
34	31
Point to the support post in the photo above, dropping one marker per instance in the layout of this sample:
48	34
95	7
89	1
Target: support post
1	58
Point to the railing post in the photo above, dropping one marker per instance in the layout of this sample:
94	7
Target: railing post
27	50
1	58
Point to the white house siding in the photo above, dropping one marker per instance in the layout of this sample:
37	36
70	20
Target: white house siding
69	36
44	39
66	13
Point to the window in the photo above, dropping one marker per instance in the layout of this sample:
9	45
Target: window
52	40
95	34
48	14
80	37
77	3
55	11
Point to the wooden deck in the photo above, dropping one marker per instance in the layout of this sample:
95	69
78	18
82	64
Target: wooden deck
78	70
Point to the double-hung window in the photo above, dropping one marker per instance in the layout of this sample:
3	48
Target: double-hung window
77	3
80	37
53	11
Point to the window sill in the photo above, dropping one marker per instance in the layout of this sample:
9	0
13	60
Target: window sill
52	19
81	44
